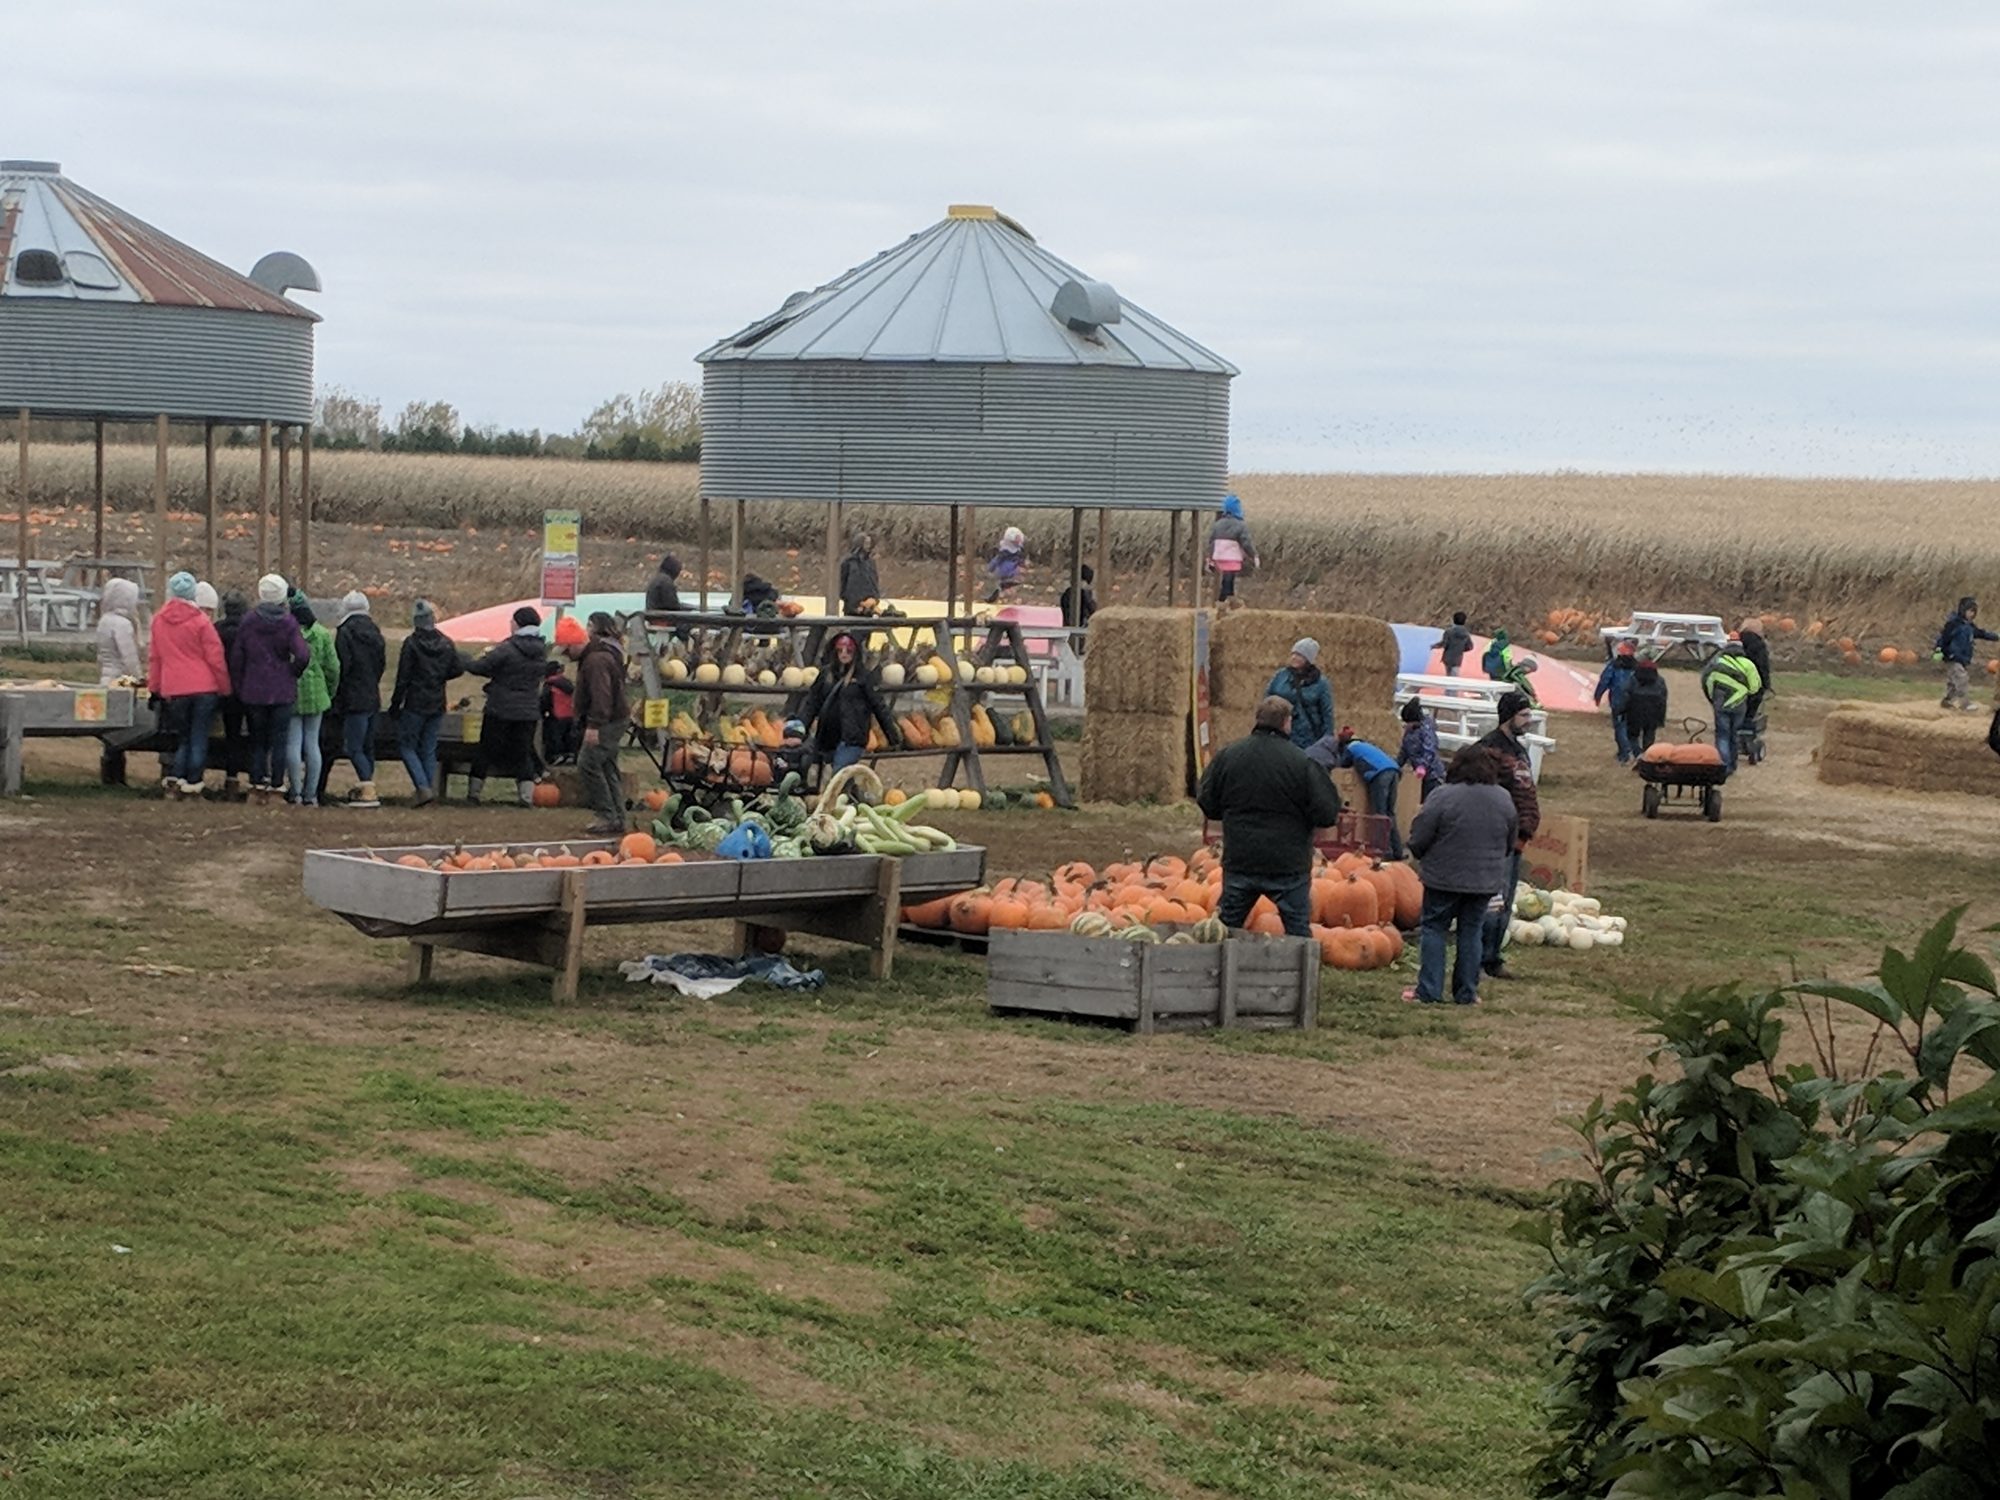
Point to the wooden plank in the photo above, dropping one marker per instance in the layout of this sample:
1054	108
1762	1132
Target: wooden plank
11	736
159	502
701	589
1173	558
1230	981
420	964
1194	559
573	915
971	556
21	515
1103	550
737	521
1268	995
833	605
1075	562
263	498
285	502
1009	995
207	499
951	568
1308	1013
305	505
97	489
1146	962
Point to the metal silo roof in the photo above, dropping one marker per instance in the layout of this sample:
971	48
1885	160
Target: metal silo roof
974	288
62	243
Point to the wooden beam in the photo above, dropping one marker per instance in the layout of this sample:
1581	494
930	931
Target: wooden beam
1173	558
97	490
1104	547
1194	558
951	568
1075	564
21	509
208	499
702	587
833	604
263	498
305	504
736	539
285	503
971	557
160	506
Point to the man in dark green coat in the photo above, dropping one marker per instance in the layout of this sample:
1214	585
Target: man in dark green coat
1269	798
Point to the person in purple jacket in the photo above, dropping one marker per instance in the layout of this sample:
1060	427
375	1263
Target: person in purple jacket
266	659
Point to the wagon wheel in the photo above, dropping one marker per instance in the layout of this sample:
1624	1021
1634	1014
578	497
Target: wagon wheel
1711	804
1649	800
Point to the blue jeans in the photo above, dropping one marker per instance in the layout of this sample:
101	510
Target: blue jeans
417	743
190	718
1293	898
358	740
269	725
302	758
1441	910
1621	735
1496	921
847	755
1728	730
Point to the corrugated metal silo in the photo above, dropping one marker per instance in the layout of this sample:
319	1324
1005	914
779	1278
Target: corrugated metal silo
966	366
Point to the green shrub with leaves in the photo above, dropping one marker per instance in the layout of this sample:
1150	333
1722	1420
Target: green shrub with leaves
1783	1280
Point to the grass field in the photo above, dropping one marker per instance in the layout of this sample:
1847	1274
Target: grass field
1881	561
278	1227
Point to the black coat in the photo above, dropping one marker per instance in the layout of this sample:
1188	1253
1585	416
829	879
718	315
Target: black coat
858	581
662	595
837	710
1646	703
429	660
364	657
513	671
1269	799
225	630
1759	651
1517	776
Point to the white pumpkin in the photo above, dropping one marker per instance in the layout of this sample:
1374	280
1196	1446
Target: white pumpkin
1017	676
792	677
983	676
892	675
733	675
708	672
675	670
1582	938
965	671
927	675
968	800
767	678
943	798
812	675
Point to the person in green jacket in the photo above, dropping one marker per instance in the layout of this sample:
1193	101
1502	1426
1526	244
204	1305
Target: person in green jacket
316	688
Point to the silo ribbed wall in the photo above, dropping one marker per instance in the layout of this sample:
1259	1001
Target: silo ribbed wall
140	359
1025	435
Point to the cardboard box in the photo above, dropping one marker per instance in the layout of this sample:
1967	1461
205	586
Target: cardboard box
1558	856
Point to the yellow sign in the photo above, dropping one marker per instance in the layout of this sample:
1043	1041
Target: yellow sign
90	706
656	713
561	531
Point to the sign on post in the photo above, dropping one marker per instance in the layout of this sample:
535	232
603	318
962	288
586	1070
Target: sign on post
562	530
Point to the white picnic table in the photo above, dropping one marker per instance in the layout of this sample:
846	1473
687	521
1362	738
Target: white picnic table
1658	633
36	596
1467	709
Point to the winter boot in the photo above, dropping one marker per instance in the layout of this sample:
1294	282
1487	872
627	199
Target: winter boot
473	787
525	790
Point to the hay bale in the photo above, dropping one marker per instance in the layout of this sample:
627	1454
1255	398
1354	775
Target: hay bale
1135	757
1140	661
1358	653
1908	747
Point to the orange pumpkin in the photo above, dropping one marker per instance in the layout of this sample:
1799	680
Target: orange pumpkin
655	800
1264	919
546	794
639	846
972	912
1887	656
562	861
414	862
929	913
1006	913
1076	872
1047	919
1165	867
1409	903
671	857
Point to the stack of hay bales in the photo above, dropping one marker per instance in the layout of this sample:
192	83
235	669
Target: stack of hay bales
1136	679
1358	654
1908	747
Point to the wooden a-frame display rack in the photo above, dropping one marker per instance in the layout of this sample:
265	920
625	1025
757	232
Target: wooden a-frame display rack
802	640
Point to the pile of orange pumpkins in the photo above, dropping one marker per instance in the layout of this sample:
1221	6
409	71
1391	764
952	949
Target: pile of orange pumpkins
1360	908
633	849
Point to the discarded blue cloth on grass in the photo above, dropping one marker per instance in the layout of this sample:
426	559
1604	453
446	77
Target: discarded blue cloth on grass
709	974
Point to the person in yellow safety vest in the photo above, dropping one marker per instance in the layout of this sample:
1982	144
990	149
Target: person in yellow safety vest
1731	680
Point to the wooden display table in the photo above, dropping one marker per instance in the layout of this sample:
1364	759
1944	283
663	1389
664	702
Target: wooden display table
65	711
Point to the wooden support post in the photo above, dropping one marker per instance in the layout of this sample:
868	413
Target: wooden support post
305	504
701	589
868	921
570	917
833	604
208	499
971	557
285	505
1194	558
160	506
21	510
1173	558
951	568
263	498
420	964
1103	549
736	539
1226	1016
1075	565
97	489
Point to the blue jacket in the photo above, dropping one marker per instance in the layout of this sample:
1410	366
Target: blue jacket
1955	640
1369	760
1312	704
1617	681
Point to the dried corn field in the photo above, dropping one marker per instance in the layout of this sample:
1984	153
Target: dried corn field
1878	560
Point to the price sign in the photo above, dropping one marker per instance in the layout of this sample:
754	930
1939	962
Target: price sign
562	536
90	706
656	713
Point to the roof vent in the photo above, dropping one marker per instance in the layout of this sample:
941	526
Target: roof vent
38	268
1086	306
37	168
281	272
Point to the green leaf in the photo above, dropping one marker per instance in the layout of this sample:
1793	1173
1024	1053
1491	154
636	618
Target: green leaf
1872	998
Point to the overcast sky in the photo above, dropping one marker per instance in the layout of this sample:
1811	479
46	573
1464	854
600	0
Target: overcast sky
1459	235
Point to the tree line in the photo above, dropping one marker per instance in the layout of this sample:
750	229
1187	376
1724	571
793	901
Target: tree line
661	425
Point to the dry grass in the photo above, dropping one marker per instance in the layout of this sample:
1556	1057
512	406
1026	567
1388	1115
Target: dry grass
1135	757
1141	661
1880	560
1359	656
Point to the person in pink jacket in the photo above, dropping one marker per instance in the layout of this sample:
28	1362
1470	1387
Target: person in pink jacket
188	673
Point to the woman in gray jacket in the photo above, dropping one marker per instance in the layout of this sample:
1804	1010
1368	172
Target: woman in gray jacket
1462	838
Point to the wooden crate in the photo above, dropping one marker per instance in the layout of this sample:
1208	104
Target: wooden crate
1246	981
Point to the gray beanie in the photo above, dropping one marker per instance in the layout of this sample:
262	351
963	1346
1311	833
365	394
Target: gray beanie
424	615
353	602
1308	648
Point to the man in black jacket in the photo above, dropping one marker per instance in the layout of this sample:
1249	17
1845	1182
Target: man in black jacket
601	709
860	584
428	661
663	594
1759	651
364	657
1269	798
1517	775
513	671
